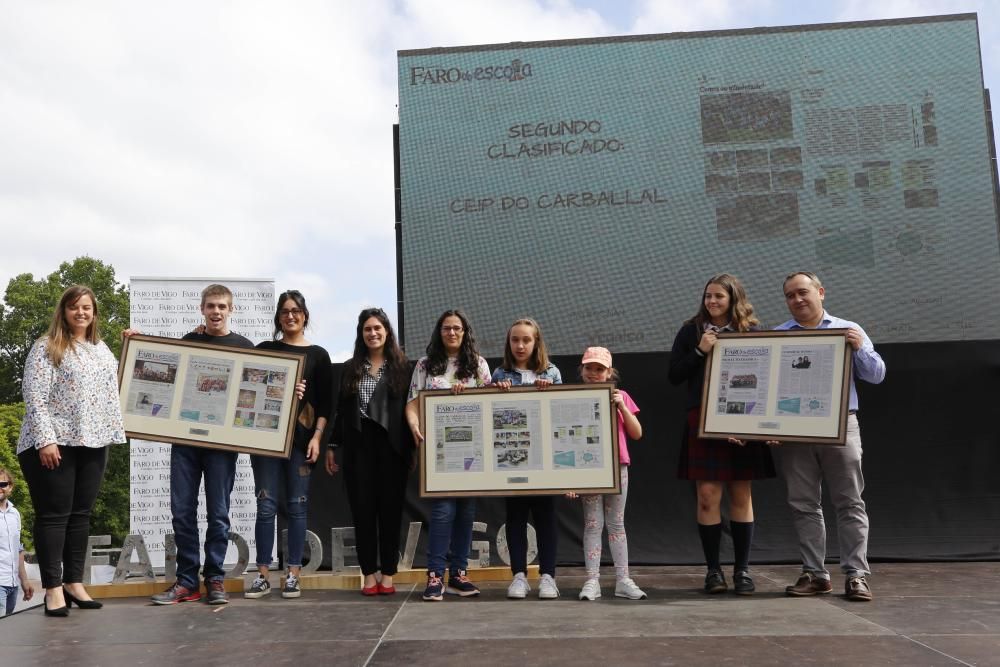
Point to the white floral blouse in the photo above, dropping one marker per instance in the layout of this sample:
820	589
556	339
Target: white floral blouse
74	405
422	380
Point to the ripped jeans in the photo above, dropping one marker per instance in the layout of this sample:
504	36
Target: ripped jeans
269	475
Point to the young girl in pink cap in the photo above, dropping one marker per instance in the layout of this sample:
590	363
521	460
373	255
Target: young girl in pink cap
609	510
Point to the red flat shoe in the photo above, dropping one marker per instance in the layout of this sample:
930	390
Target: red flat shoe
386	590
371	590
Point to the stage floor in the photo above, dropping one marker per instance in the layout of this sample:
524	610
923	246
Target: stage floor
923	614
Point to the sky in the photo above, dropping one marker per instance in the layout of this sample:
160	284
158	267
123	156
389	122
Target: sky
254	139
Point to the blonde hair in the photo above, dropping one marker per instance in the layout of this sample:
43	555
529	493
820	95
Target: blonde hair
539	356
60	335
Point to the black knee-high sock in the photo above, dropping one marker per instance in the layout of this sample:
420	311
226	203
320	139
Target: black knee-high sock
742	537
710	538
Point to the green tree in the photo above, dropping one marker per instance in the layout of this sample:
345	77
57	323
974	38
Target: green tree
10	428
28	306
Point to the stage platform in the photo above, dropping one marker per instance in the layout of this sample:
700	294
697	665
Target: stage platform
923	614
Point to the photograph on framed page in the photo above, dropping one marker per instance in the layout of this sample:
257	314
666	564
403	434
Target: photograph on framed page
788	386
192	393
486	442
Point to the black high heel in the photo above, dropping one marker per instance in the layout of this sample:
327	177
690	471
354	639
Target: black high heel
62	611
81	604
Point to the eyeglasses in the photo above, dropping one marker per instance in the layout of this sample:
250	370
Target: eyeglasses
295	312
456	330
4	485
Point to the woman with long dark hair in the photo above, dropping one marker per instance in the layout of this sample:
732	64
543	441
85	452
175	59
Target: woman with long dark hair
72	414
269	473
375	446
452	362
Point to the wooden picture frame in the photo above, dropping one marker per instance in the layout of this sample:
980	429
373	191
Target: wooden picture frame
524	441
203	395
788	386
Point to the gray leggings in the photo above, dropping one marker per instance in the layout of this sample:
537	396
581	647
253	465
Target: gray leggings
601	511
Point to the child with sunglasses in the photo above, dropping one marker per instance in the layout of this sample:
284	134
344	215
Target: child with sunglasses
11	550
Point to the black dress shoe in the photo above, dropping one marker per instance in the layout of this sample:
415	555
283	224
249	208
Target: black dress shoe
82	604
743	583
61	611
715	582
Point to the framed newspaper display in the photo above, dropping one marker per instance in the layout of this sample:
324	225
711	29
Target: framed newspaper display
193	393
524	441
788	386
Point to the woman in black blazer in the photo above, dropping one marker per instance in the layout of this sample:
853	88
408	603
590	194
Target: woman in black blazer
376	446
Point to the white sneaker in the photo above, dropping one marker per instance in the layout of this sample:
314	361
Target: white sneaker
591	590
626	588
518	589
547	589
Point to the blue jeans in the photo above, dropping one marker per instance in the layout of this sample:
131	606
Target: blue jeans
450	534
187	465
8	599
268	473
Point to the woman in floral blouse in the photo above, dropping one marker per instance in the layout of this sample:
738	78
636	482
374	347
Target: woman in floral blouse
453	362
72	414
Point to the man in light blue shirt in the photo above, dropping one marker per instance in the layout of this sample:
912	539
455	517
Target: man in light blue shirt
806	467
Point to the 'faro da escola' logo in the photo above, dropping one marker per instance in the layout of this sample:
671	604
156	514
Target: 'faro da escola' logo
515	71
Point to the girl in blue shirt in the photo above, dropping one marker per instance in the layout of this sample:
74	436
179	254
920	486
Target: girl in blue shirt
525	362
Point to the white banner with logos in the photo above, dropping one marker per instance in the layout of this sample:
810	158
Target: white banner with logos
171	307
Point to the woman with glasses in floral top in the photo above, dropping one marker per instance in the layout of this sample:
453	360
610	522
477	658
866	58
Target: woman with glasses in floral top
452	362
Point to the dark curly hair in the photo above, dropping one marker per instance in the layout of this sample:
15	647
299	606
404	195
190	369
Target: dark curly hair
468	352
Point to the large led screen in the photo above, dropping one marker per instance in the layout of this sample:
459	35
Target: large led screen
595	185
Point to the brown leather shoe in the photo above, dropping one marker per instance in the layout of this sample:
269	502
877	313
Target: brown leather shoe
857	590
809	584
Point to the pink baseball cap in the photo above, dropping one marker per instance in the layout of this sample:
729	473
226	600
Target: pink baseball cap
600	355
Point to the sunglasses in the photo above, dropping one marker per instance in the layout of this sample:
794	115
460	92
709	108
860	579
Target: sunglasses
4	485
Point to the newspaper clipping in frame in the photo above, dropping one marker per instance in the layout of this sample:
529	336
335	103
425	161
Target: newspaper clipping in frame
516	435
171	307
258	407
744	376
459	446
206	392
153	380
576	433
805	380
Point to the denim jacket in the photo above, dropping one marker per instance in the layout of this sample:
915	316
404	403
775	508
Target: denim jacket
550	373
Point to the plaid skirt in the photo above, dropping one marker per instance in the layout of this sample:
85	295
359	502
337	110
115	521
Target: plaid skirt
718	460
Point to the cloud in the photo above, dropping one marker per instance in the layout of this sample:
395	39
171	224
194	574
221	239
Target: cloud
249	139
656	16
430	23
254	139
